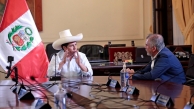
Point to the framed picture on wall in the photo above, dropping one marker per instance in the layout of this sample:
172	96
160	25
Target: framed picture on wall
35	7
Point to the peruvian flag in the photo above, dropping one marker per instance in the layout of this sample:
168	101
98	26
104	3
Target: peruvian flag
20	38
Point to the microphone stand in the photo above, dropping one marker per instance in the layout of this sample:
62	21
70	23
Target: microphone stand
10	70
189	105
14	87
156	91
163	99
49	85
9	59
55	77
55	67
55	70
112	83
40	104
128	88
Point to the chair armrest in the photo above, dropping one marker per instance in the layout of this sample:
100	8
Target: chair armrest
189	82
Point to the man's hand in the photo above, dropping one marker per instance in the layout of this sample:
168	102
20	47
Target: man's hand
66	55
131	72
77	58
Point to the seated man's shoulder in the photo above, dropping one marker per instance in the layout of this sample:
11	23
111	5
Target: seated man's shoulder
60	53
82	54
166	53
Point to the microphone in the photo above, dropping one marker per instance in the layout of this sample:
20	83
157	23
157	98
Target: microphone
112	83
163	99
10	70
52	87
14	87
55	78
17	88
189	105
40	104
9	59
131	89
23	93
170	79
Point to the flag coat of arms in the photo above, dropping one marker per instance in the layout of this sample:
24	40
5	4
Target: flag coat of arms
20	38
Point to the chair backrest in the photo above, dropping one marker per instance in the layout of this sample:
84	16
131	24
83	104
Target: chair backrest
106	50
91	50
190	68
141	55
50	51
182	52
174	48
123	53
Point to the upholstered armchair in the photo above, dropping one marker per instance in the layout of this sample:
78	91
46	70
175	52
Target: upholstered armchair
190	71
182	52
50	51
92	50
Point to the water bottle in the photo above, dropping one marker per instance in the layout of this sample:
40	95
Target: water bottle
123	80
60	98
124	76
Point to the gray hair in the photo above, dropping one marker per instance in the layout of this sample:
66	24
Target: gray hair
156	40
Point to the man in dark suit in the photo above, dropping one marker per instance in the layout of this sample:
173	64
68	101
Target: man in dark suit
164	65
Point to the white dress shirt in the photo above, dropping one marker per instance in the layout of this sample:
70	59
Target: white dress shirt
153	60
70	68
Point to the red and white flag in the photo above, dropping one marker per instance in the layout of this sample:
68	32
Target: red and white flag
20	38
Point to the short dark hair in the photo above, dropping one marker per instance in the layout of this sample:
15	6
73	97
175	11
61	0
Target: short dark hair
65	44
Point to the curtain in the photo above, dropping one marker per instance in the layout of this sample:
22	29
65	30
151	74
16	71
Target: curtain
184	13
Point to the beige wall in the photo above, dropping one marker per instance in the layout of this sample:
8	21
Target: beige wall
100	21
